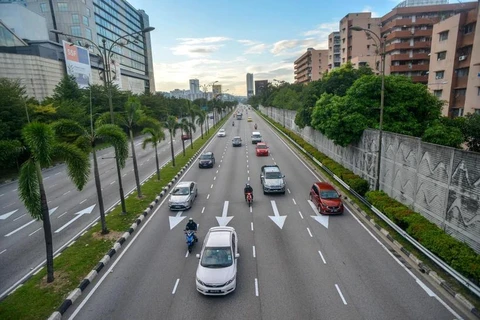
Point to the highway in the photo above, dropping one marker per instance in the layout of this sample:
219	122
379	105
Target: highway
22	244
293	263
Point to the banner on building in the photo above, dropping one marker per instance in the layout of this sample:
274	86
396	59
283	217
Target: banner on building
77	61
115	74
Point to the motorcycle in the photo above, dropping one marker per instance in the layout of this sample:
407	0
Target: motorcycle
249	199
233	124
255	126
190	239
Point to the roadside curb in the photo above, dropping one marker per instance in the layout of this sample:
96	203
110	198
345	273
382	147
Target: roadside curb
77	292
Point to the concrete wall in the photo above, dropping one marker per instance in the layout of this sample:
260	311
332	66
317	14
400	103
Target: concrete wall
441	183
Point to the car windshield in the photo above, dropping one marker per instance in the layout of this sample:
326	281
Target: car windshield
217	257
261	147
330	194
256	136
181	191
206	156
273	175
222	130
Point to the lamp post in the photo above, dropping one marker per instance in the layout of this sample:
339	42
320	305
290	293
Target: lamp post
106	54
381	41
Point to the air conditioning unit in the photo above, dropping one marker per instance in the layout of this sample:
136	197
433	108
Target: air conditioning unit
461	58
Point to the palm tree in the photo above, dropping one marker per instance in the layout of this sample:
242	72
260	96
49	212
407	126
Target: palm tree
86	141
188	127
193	113
172	125
156	135
42	146
202	115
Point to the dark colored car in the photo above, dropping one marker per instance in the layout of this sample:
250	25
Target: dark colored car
326	199
237	141
207	160
186	136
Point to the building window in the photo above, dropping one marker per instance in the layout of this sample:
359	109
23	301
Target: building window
368	26
88	12
457	112
460	92
463	72
85	20
43	7
439	75
478	91
75	18
469	28
476	111
437	93
441	55
62	6
76	31
443	35
88	34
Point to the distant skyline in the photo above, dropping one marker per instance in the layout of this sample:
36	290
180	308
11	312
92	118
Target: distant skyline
222	41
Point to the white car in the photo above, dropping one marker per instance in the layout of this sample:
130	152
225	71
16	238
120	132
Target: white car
221	133
217	268
183	195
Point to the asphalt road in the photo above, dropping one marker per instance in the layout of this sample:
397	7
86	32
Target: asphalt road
22	244
304	268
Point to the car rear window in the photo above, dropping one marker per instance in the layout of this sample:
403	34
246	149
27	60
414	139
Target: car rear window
206	156
261	147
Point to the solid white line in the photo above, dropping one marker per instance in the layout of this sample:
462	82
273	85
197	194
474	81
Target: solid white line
301	216
203	209
309	232
340	293
321	255
3	251
175	287
208	195
253	247
294	201
251	225
256	287
211	186
66	193
19	217
112	182
62	215
35	231
83	201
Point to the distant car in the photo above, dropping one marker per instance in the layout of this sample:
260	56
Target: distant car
261	149
256	137
183	195
207	160
326	199
221	133
186	136
217	269
237	141
249	119
211	116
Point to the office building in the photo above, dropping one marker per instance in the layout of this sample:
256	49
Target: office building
334	49
311	65
249	85
194	86
260	85
454	74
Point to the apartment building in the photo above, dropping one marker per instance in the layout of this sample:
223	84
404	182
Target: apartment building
407	31
334	58
249	85
311	65
454	75
260	85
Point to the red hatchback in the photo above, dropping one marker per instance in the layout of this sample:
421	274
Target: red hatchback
261	149
326	198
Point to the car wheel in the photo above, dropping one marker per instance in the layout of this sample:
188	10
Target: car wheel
264	192
310	197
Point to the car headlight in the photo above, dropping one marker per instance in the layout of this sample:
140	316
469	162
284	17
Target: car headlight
201	282
230	281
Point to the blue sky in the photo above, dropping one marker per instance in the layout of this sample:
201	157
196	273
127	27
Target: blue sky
222	40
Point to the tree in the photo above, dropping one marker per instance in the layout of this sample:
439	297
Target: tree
156	136
202	116
172	125
471	130
308	97
67	89
340	80
42	146
12	109
443	134
187	127
69	131
193	112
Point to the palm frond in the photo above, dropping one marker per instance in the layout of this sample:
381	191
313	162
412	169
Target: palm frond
39	138
78	163
114	135
29	190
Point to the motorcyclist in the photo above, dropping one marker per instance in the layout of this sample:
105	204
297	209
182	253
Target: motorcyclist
248	189
233	123
255	126
192	225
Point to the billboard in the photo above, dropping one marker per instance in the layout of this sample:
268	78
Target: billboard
77	61
115	74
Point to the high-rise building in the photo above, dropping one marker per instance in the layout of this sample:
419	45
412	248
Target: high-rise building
334	59
311	65
194	86
99	20
249	85
454	75
260	85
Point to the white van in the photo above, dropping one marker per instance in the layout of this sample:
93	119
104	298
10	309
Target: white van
256	137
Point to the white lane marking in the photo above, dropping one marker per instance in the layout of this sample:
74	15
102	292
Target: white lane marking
211	187
62	215
288	190
247	160
253	248
340	293
124	175
214	178
251	209
273	159
274	163
57	173
247	165
208	195
321	256
186	254
248	178
112	182
256	287
219	165
44	179
8	205
3	251
53	185
175	287
83	201
20	228
248	171
251	225
66	193
35	231
294	201
217	171
309	233
221	160
301	216
15	190
20	217
202	211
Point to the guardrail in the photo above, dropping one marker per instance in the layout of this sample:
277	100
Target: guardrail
445	267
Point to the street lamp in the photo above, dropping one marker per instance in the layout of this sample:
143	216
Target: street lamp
106	54
381	41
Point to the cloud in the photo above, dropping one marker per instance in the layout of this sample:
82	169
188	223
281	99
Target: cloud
322	30
198	47
194	41
256	49
369	9
247	42
297	47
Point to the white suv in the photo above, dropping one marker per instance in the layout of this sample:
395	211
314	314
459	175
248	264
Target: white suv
256	137
217	268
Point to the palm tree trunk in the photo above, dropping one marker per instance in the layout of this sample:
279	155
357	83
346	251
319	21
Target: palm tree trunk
171	149
47	227
183	146
191	138
98	186
156	160
135	167
201	130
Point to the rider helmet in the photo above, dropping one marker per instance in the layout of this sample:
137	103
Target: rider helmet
191	219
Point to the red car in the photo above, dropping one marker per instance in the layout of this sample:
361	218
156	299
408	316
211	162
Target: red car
185	136
261	149
326	198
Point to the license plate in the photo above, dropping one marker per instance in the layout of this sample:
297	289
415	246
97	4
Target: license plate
214	291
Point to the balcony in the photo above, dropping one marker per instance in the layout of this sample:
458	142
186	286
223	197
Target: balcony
467	39
420	79
408	22
458	101
406	45
407	68
399	35
460	82
406	57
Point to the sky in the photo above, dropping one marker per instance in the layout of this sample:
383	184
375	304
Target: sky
223	40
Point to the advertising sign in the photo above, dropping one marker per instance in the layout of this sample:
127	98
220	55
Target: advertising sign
115	73
77	60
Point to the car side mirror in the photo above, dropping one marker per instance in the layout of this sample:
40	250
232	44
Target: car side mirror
283	176
262	176
198	256
237	255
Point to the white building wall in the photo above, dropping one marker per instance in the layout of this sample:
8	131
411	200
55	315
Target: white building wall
23	22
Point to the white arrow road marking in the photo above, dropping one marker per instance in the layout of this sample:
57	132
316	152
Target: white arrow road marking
79	215
8	214
277	218
323	220
29	223
224	220
176	220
